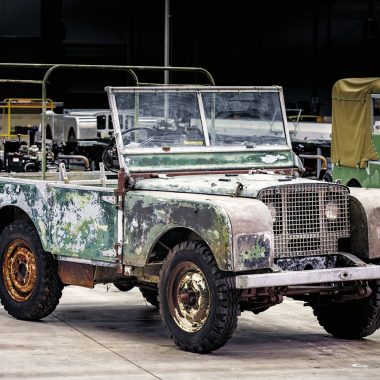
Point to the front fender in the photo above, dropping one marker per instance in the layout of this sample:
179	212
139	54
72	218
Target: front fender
252	231
237	230
365	222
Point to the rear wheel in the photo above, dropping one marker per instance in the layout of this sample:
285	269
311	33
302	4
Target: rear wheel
30	287
198	302
351	319
124	286
151	296
353	183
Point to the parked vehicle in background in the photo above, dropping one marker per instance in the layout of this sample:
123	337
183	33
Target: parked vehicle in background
75	125
356	132
104	123
311	136
71	126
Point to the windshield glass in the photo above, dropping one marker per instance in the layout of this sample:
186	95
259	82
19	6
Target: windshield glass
252	118
158	119
167	118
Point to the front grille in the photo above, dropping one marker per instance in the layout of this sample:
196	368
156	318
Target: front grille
308	218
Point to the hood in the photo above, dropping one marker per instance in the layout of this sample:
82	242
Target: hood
244	185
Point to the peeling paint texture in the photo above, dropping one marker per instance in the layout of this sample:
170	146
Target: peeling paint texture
218	184
254	251
31	197
82	224
150	214
208	161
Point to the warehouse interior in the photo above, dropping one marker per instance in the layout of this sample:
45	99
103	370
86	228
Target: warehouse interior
145	230
303	46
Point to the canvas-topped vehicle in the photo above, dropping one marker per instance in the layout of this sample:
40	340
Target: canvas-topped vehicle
355	145
208	217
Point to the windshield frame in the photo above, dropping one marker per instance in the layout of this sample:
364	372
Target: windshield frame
198	90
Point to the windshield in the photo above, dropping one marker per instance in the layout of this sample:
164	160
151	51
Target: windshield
160	119
251	118
175	118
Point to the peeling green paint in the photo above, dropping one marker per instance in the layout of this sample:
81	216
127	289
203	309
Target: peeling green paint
81	223
149	215
254	251
209	161
31	197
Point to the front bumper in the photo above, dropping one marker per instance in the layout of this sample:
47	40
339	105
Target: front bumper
316	276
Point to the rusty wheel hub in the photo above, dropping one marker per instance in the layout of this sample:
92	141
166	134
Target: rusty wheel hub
19	270
189	297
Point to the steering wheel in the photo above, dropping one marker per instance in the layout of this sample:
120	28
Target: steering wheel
123	133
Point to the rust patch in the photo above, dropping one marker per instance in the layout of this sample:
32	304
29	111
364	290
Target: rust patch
19	270
76	274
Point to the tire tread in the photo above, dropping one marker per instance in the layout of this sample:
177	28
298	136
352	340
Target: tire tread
227	296
352	319
49	284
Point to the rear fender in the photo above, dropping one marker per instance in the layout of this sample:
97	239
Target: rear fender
32	200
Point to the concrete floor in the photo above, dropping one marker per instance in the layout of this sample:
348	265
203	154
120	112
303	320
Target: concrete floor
106	334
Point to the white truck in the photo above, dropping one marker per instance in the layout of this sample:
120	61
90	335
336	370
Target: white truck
71	126
85	124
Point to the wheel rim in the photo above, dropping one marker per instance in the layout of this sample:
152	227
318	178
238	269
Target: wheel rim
189	297
19	270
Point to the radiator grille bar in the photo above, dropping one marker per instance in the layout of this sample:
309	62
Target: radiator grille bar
308	218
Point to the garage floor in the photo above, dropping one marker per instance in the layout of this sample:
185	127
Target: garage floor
106	334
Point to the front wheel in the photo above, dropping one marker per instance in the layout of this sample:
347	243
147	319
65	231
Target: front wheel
30	287
352	319
198	302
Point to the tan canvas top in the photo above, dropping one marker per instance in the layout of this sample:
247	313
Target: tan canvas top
351	143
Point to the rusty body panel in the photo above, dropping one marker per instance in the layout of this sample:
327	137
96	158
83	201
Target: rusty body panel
74	221
222	222
76	274
82	222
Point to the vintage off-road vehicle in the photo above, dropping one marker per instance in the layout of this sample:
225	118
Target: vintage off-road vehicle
208	217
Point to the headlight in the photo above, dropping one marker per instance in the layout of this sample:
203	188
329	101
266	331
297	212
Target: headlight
272	210
331	211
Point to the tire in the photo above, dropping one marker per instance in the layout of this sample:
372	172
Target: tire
49	135
203	317
351	319
30	287
124	286
151	296
71	137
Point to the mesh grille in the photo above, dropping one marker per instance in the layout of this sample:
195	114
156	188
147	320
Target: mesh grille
309	218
